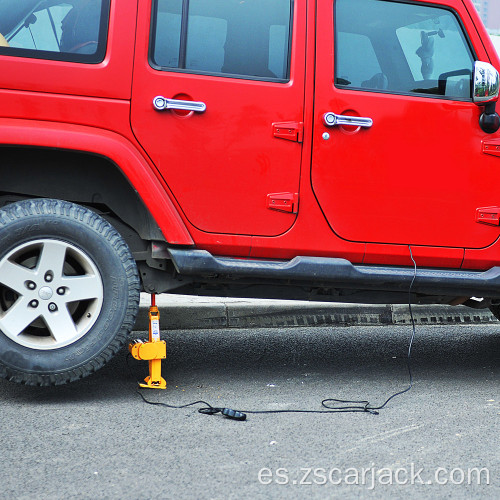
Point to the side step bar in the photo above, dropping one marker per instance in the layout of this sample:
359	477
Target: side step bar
339	273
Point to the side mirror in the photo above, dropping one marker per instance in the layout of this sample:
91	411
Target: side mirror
485	93
486	83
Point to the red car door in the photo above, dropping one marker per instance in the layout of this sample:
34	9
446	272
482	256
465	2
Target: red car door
233	156
413	172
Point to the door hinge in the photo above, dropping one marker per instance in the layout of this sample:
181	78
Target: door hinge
491	147
488	215
291	131
283	202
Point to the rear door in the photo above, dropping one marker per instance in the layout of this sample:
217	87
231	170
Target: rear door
417	175
233	156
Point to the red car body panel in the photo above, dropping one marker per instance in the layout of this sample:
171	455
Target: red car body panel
206	178
222	164
110	79
112	146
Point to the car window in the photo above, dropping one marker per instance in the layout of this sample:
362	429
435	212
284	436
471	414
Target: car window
350	71
229	37
72	30
401	48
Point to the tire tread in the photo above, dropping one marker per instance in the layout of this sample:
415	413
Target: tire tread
99	225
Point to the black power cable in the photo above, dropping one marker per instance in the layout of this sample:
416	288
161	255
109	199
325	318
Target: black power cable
332	405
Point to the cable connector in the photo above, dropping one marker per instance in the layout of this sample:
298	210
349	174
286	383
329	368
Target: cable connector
227	412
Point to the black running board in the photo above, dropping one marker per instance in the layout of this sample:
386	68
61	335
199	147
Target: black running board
338	273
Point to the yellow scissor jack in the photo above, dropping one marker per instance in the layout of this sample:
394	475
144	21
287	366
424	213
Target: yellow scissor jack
153	351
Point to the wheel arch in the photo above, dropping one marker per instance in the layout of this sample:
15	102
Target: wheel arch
91	167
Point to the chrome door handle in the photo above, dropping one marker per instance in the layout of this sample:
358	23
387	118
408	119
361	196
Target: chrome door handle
331	120
160	103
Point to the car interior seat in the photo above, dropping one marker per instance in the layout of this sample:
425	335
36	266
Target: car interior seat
378	81
80	27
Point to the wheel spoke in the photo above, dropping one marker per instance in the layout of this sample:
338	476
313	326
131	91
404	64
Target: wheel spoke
18	317
61	325
46	297
15	276
82	288
52	257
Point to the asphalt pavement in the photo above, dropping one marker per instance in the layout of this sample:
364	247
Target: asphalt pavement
97	439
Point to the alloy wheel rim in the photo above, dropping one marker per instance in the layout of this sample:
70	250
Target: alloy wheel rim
51	294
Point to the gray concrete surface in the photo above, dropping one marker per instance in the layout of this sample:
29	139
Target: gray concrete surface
192	312
96	439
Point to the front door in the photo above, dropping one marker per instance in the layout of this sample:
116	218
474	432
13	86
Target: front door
414	172
225	76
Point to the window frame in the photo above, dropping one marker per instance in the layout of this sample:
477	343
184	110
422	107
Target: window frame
417	95
48	55
183	48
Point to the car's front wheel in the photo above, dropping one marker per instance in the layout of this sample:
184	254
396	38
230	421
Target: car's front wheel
69	292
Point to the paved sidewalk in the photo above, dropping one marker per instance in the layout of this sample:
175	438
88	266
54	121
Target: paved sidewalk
179	312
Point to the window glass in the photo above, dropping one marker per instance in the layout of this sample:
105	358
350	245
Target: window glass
73	30
401	48
242	38
354	73
437	47
205	43
167	34
278	49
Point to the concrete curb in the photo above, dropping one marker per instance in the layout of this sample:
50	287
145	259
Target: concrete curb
186	312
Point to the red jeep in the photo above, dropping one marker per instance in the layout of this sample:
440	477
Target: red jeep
283	149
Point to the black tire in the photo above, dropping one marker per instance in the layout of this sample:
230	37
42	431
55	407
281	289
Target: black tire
72	268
